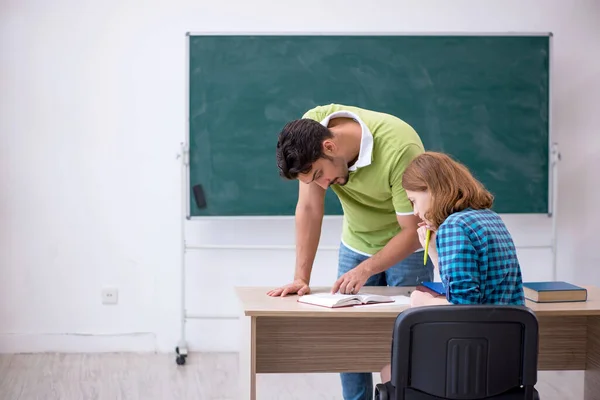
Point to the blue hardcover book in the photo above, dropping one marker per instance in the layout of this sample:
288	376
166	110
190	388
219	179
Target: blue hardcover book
553	292
435	288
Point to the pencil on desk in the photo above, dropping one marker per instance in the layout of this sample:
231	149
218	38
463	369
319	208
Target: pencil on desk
427	236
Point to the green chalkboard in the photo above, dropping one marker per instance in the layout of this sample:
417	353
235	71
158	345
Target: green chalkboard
483	99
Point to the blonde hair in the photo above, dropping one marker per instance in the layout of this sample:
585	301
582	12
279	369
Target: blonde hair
452	187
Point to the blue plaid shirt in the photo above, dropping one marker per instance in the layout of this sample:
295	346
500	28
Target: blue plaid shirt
477	259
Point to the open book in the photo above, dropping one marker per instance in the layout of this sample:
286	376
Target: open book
343	300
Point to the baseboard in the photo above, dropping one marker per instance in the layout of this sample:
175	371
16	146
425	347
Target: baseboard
76	342
205	335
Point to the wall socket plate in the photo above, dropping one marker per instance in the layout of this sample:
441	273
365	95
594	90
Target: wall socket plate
110	295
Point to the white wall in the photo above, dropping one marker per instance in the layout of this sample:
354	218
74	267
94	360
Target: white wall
92	112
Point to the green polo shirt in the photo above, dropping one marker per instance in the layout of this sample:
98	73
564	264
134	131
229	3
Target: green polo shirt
373	195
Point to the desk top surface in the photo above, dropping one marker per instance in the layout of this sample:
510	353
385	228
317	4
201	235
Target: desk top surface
255	302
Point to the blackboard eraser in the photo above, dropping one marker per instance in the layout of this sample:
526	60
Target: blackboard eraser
199	196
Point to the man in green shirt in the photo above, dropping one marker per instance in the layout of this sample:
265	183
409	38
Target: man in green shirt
361	155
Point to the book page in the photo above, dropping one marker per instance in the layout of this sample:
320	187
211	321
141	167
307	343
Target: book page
366	298
375	298
328	299
398	301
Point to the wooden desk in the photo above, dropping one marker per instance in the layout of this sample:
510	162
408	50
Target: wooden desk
284	336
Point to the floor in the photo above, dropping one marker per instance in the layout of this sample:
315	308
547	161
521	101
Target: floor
205	376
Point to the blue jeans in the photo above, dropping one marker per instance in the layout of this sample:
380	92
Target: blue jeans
408	272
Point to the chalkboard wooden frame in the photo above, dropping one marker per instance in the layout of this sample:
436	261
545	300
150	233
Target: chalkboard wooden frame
553	153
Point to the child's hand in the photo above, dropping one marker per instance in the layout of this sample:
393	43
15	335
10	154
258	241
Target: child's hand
422	232
418	298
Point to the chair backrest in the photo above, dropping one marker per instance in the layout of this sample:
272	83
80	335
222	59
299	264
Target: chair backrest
465	351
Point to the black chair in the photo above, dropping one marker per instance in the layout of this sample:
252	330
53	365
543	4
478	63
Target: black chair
469	352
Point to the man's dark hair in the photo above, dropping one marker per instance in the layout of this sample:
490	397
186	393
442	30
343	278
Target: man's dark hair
300	144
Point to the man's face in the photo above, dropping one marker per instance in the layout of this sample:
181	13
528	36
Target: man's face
326	172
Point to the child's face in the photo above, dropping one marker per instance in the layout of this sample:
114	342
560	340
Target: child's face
421	202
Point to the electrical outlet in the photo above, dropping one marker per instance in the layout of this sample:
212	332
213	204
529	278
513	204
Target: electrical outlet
110	296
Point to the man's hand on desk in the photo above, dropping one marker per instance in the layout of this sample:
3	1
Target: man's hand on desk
352	281
298	286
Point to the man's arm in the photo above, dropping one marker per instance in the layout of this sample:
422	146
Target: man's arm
309	219
398	248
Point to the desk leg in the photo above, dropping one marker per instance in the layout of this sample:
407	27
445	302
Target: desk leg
591	389
247	360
